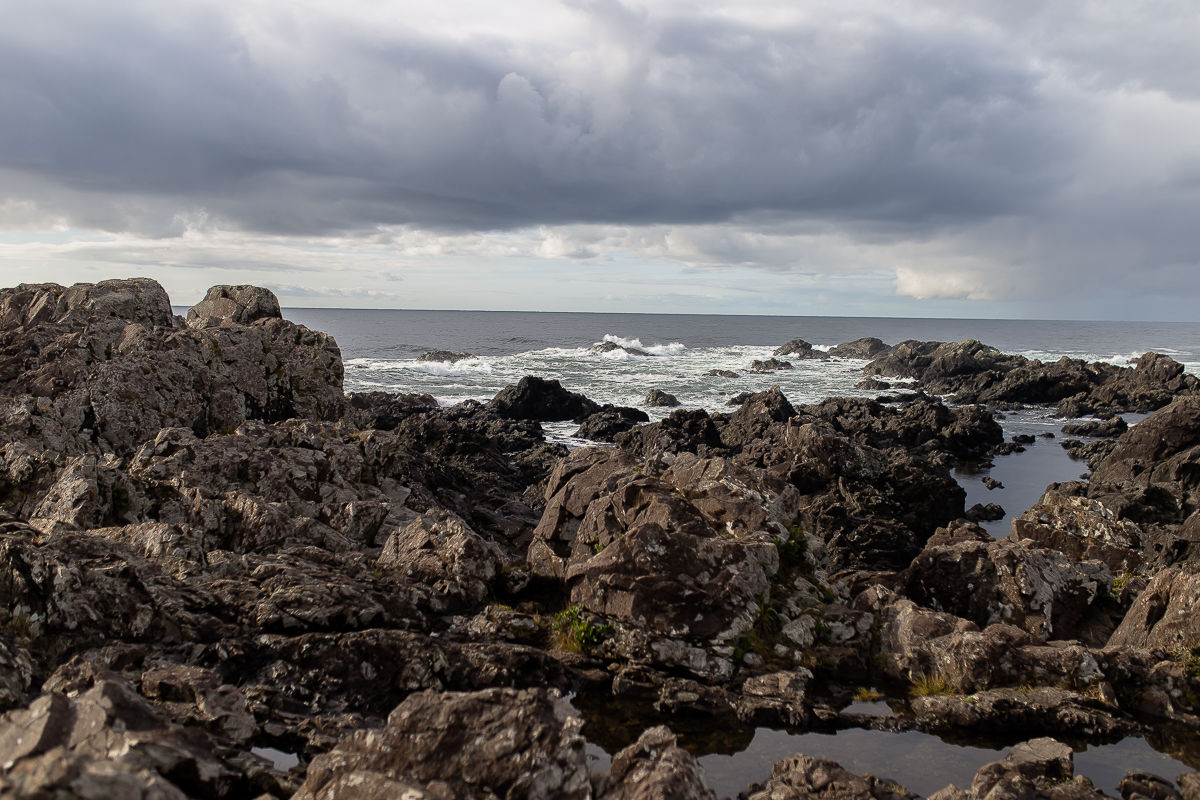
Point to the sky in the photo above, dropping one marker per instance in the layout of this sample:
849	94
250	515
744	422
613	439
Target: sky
1006	158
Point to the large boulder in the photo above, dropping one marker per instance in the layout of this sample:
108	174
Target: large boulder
540	399
1160	449
799	348
1040	591
517	744
234	305
1083	529
1166	615
441	551
654	767
866	348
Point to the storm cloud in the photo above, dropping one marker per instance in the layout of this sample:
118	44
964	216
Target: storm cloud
981	150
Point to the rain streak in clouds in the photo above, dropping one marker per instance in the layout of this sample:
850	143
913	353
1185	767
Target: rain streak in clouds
981	156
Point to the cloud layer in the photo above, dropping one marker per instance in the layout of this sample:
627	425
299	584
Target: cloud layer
992	151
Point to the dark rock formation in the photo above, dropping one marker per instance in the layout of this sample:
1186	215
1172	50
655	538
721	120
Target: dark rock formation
770	365
494	743
657	398
865	348
539	399
445	356
798	348
976	373
721	373
609	347
605	424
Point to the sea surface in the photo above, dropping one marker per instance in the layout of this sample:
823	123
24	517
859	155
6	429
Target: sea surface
381	348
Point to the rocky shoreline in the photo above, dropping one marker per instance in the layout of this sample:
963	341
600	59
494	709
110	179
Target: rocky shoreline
207	549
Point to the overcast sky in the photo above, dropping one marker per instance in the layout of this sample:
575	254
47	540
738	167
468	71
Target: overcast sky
1016	158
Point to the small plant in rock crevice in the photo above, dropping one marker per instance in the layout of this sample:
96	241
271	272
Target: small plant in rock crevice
573	633
930	685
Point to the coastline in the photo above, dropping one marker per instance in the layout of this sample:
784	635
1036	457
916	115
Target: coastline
210	548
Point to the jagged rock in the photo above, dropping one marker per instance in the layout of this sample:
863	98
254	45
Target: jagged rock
493	743
439	550
383	411
1041	591
770	365
110	743
1043	708
872	385
986	513
721	373
991	483
1138	785
536	398
609	347
234	305
1157	448
866	348
683	555
659	398
803	777
798	348
606	423
1107	428
116	366
923	646
444	356
755	415
654	767
1041	768
1165	615
1083	529
682	431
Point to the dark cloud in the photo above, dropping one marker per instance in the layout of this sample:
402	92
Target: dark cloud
988	149
677	119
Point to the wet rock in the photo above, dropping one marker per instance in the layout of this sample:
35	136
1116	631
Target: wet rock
776	698
738	399
721	373
985	513
1165	615
799	349
770	365
872	385
535	398
1014	710
1040	768
991	483
652	767
606	423
610	347
234	305
445	356
493	743
1110	428
866	348
1024	438
657	398
802	777
1091	452
1147	786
